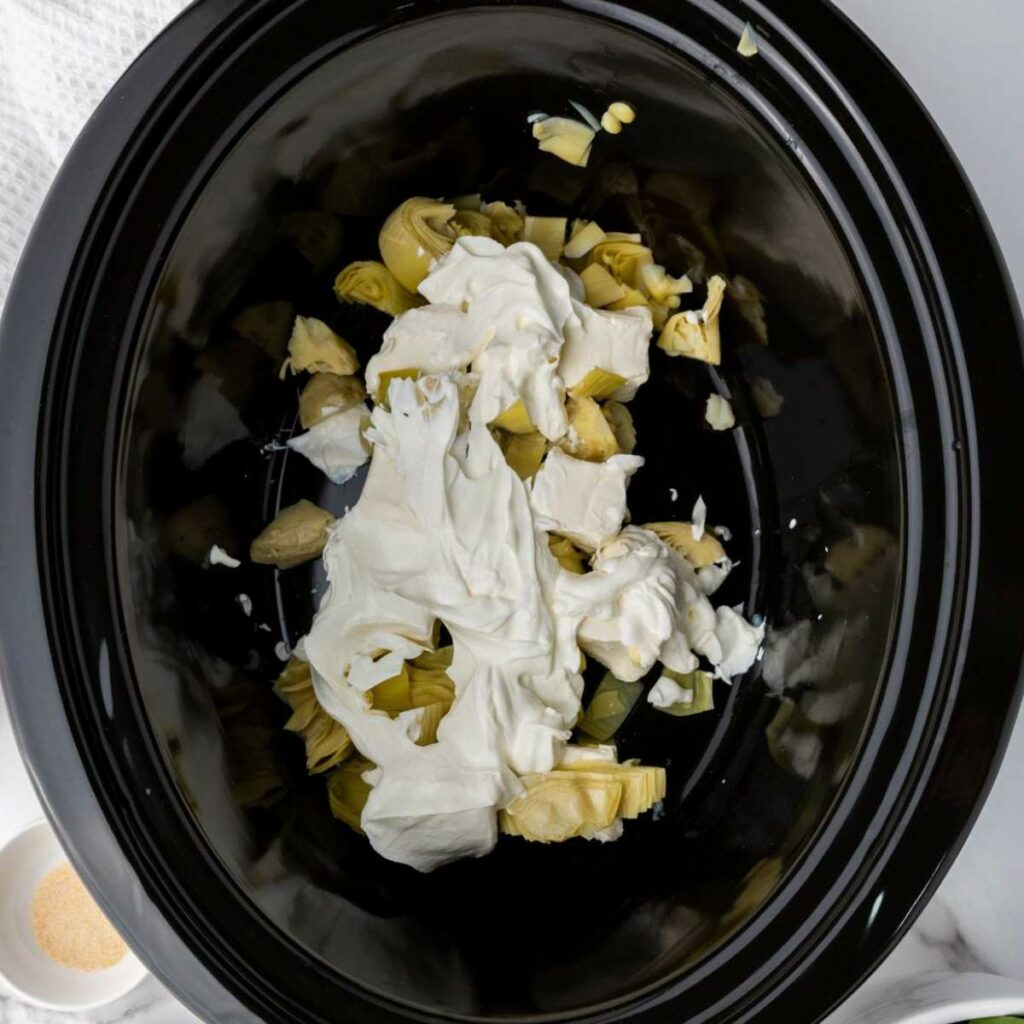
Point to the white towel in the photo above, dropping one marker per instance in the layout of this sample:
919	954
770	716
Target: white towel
57	60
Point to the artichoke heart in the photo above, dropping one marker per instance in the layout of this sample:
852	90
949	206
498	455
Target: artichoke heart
472	223
586	235
297	534
695	334
327	741
620	419
393	695
506	223
515	419
326	394
348	792
642	785
429	682
561	805
749	302
602	288
566	138
569	556
315	347
523	452
698	686
372	284
429	719
419	231
597	384
611	704
662	287
624	259
547	233
679	535
590	435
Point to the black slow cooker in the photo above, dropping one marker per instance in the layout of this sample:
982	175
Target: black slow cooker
873	511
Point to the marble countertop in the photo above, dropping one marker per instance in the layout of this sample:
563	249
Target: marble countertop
973	921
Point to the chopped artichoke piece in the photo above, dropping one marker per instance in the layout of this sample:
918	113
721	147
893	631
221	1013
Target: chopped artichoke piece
699	553
691	694
515	419
372	284
569	556
623	258
470	201
506	223
393	695
602	288
622	111
597	384
566	138
266	325
610	123
429	719
620	419
193	530
631	297
590	435
315	347
718	413
642	785
583	240
348	793
848	558
419	231
297	534
749	303
473	223
611	704
327	741
547	233
747	46
662	287
429	682
326	394
386	377
561	805
524	452
316	234
695	334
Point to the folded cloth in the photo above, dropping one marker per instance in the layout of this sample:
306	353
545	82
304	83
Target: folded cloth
57	60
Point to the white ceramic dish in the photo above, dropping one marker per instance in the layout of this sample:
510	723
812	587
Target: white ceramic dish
30	974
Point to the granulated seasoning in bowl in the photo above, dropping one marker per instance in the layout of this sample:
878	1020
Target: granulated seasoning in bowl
68	925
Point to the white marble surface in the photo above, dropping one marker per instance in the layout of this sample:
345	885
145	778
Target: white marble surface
968	71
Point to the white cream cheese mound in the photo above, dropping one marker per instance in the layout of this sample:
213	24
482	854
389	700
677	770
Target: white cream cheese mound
617	343
584	501
446	532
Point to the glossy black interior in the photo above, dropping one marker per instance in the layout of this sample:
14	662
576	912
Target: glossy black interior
528	929
810	813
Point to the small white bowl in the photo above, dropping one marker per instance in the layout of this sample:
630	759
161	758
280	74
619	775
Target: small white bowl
30	974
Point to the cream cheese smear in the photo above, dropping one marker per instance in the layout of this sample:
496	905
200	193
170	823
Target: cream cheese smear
446	533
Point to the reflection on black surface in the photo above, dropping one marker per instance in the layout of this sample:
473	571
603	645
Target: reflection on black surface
747	784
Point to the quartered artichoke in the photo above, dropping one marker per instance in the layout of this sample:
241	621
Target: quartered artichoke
372	284
313	346
348	793
699	553
419	231
695	333
326	394
620	419
569	556
590	435
297	534
327	741
609	707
